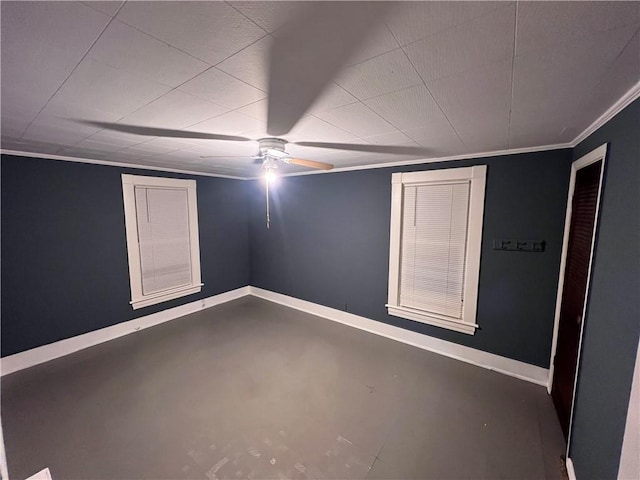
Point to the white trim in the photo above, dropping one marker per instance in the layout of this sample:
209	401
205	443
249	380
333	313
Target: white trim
630	455
611	112
41	475
594	156
109	163
476	177
431	319
490	361
571	472
35	356
421	161
138	298
4	471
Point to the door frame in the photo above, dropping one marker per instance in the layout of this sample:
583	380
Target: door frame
594	156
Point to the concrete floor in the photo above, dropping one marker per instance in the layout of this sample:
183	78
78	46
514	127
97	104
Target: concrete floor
251	389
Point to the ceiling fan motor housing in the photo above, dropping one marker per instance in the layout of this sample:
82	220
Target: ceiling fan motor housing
267	144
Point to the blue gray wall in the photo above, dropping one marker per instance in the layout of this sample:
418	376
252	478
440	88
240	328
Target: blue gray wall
329	244
64	252
612	323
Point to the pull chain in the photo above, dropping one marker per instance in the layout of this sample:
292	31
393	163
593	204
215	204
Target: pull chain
268	219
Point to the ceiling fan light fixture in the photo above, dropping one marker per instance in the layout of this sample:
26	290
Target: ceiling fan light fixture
270	176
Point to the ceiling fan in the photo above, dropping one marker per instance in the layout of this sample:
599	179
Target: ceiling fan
305	56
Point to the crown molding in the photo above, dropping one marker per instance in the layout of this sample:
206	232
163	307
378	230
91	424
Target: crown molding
108	163
611	112
465	156
621	104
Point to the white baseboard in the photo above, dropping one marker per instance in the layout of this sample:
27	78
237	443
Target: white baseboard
570	470
35	356
4	469
507	366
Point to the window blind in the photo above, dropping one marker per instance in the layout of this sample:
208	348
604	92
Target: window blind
163	233
433	248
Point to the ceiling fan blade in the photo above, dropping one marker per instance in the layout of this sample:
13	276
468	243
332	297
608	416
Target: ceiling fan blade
355	147
161	132
308	52
309	163
226	156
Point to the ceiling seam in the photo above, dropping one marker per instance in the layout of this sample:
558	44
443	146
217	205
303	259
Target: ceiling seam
89	4
472	19
400	46
513	68
177	87
608	70
248	18
430	93
190	54
111	19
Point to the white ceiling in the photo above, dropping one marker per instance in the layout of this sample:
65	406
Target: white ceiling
457	77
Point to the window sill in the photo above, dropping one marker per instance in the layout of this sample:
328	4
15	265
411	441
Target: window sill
431	319
165	296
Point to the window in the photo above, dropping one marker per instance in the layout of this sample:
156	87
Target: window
161	220
436	234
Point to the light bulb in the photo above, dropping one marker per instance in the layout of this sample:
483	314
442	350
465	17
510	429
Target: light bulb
270	176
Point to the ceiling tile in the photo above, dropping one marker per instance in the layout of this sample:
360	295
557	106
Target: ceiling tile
41	45
271	15
485	40
383	74
124	47
257	110
167	143
176	109
409	108
313	129
574	60
211	31
32	74
379	41
332	97
98	146
150	148
117	138
218	148
108	7
69	26
411	21
491	135
231	123
251	64
47	129
223	89
357	119
556	81
542	24
442	139
13	127
481	120
393	138
33	146
127	155
458	100
616	82
94	86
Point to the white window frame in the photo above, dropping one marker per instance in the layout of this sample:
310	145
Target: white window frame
138	299
476	176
